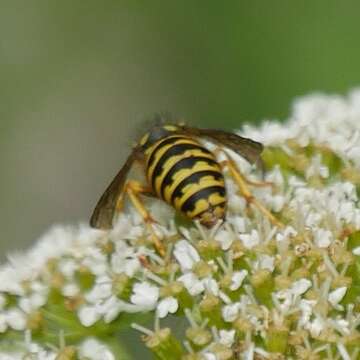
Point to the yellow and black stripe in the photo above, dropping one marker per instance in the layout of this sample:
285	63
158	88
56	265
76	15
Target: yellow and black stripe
187	176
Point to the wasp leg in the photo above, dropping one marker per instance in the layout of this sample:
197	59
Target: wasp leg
258	183
133	189
242	182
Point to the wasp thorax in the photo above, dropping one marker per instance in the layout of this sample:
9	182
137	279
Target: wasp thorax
157	133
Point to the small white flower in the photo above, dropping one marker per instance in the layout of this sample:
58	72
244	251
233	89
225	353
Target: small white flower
100	291
68	267
323	238
276	177
230	312
337	295
110	308
285	298
239	223
211	285
286	233
113	306
276	202
126	266
39	288
227	337
125	260
296	182
95	261
16	319
186	255
70	289
356	251
32	302
315	327
317	168
128	227
342	351
237	278
266	262
192	283
88	315
346	211
301	286
343	325
11	277
313	218
209	356
11	356
306	307
350	189
145	295
236	203
224	238
250	240
94	350
166	306
41	354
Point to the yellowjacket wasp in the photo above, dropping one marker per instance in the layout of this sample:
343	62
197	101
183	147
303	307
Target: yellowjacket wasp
182	172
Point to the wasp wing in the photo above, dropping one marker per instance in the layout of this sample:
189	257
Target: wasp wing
105	208
247	148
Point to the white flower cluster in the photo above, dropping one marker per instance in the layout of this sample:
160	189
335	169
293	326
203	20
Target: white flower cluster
87	349
248	289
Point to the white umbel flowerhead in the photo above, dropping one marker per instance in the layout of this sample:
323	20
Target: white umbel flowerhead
278	278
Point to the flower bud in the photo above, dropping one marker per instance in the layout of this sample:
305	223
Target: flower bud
277	339
85	278
162	343
209	249
122	286
263	283
67	353
199	337
210	308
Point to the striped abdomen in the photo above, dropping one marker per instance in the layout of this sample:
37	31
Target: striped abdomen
187	176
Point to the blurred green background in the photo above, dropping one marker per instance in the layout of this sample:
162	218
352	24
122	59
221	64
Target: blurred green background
77	77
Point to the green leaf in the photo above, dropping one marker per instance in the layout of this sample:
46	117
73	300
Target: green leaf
354	240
